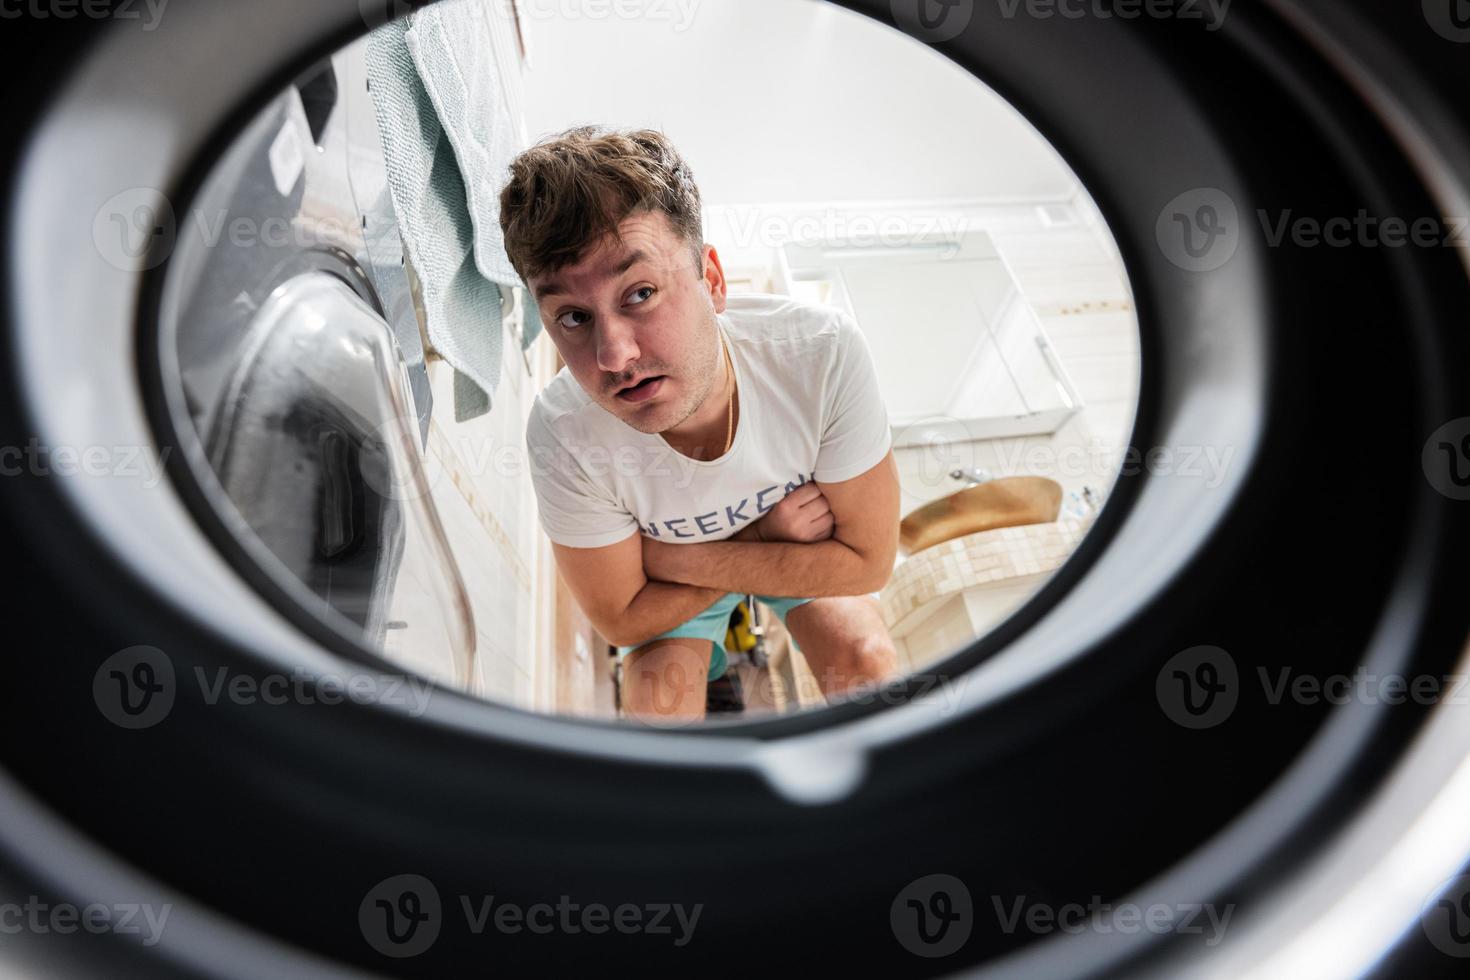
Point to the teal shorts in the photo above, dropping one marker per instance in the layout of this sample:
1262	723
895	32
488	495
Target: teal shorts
714	622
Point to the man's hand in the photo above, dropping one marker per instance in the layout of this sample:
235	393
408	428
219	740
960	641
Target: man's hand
858	524
802	516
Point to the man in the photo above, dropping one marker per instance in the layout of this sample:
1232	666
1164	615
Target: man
695	447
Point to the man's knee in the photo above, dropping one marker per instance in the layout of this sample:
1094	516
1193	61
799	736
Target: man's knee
865	659
666	678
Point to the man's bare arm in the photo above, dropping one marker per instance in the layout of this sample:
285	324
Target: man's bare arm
857	559
626	607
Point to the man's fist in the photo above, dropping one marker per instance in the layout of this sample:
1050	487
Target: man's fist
802	516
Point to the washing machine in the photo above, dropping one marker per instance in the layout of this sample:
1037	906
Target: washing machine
906	836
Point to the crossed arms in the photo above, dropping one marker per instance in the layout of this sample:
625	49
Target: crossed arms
822	539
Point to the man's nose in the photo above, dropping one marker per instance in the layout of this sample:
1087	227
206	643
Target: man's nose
616	345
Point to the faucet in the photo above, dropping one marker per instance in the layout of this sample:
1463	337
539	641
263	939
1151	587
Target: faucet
970	476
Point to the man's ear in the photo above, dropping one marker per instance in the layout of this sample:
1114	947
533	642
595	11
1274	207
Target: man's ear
714	278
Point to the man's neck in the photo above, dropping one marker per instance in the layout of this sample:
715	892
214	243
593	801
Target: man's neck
702	435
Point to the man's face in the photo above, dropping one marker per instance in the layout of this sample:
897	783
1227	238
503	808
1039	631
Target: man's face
635	322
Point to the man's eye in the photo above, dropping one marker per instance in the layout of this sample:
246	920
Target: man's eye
641	290
571	313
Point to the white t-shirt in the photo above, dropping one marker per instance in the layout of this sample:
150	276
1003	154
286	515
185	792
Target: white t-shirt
810	409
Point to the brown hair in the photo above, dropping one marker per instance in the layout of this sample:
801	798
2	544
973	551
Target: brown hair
569	190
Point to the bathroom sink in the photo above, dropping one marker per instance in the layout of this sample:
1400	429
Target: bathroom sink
1005	502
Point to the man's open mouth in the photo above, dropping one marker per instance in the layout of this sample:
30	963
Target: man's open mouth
644	389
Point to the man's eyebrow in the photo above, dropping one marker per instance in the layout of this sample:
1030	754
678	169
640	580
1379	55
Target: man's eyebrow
554	288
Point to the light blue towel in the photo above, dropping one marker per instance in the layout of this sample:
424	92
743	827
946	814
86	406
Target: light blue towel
447	143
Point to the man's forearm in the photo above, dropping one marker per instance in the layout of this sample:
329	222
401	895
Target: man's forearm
659	607
663	604
822	568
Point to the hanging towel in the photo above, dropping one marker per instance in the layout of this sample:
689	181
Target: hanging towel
447	143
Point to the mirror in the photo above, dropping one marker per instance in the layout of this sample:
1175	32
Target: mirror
348	345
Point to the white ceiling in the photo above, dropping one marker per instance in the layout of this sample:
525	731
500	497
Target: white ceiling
784	101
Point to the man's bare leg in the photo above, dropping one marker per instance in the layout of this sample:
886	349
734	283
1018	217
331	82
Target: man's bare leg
664	681
845	642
